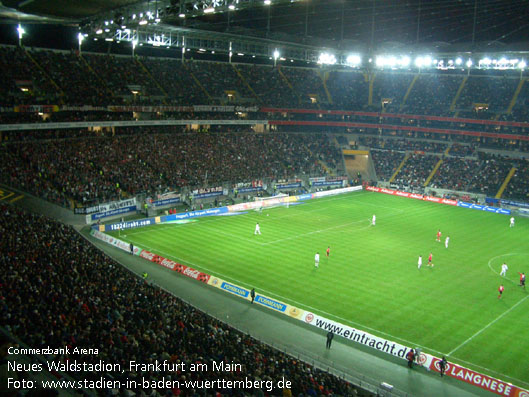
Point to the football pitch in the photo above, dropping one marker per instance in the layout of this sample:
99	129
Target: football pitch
371	280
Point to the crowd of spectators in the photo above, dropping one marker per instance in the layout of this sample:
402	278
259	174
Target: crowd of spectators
74	79
270	87
496	93
493	171
308	84
57	290
518	186
402	144
386	163
432	94
416	170
102	168
389	90
455	172
54	77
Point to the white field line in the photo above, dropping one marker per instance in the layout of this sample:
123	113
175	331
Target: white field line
488	325
346	321
499	256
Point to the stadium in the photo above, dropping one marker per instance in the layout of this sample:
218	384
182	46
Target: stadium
264	197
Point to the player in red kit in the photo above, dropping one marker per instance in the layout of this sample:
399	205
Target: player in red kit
430	260
522	279
328	252
500	290
439	236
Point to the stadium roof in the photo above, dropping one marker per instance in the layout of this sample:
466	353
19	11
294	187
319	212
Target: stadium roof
445	25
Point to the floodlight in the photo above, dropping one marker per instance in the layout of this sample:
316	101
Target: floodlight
469	63
522	64
133	16
231	7
106	23
326	58
276	54
459	61
99	31
20	31
143	22
353	60
424	61
267	2
485	61
109	39
209	10
240	54
182	15
405	61
107	30
80	37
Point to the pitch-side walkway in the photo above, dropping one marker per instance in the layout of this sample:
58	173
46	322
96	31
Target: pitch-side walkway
300	340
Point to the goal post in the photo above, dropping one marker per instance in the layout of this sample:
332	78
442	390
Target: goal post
271	202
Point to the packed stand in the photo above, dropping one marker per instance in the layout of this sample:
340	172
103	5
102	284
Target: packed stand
518	186
218	79
22	82
120	74
402	144
307	84
349	90
416	170
70	72
390	87
496	92
386	163
102	168
454	174
269	85
493	171
176	82
460	150
432	94
85	299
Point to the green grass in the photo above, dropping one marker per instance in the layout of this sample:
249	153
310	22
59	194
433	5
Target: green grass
371	280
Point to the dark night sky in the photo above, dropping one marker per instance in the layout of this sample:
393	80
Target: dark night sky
447	21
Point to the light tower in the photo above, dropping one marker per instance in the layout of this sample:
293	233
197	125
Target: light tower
21	33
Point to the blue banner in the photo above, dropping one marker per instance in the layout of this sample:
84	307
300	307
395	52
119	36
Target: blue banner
234	289
272	304
206	195
118	211
159	203
249	189
514	203
328	183
483	208
129	224
195	214
492	200
307	196
288	185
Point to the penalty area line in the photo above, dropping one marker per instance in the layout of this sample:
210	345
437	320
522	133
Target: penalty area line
487	326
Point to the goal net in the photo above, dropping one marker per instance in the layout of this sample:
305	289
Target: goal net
271	202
